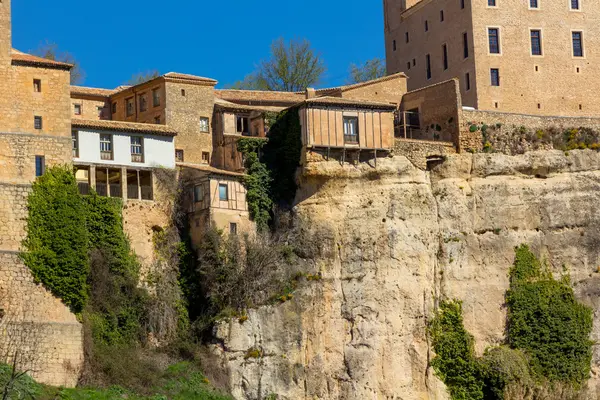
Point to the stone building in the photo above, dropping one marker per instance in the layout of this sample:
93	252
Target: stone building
535	57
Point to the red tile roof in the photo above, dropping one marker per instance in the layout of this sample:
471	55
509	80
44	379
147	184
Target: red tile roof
325	91
89	91
259	96
120	126
339	101
21	58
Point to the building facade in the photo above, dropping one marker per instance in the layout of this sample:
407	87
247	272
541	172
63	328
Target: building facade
534	57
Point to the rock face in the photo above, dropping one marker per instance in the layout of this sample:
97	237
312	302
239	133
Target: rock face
392	242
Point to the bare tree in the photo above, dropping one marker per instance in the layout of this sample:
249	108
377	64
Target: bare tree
50	51
142	77
369	70
292	67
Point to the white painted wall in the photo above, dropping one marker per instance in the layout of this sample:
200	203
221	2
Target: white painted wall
159	151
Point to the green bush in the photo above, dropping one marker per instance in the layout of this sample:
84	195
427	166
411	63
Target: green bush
56	247
501	369
547	323
455	363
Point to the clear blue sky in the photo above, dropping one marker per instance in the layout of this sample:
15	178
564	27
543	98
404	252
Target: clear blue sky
223	39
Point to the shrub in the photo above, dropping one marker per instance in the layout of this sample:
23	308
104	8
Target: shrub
547	323
503	369
56	247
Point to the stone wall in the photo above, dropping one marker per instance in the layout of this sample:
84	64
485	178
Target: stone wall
48	336
419	152
13	214
527	120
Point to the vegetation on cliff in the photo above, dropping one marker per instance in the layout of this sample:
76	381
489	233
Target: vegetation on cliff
547	353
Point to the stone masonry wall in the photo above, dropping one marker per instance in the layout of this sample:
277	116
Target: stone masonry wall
13	212
418	151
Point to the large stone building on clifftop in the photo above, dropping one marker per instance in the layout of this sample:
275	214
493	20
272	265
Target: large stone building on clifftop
535	57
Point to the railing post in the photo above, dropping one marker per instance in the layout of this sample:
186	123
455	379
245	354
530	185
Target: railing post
404	120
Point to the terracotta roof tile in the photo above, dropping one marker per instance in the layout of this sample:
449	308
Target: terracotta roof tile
361	84
122	126
338	101
177	75
27	59
259	96
89	91
227	105
211	170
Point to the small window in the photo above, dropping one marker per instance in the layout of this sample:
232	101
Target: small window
426	25
204	124
198	193
414	62
40	165
428	66
77	109
137	149
223	192
441	15
232	228
465	45
351	130
75	140
205	157
37	85
143	102
577	44
114	107
462	4
406	37
445	56
394	45
533	4
157	119
129	106
408	65
106	147
496	104
242	125
536	42
155	97
37	122
467	81
100	111
574	4
183	92
491	3
179	155
495	76
494	40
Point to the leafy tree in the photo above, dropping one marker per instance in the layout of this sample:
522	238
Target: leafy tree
293	66
371	69
142	77
50	51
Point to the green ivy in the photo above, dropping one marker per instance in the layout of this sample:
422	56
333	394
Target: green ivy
56	246
547	323
257	182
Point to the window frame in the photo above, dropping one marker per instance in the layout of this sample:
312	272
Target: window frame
241	118
226	187
233	228
143	102
129	111
495	73
198	193
465	45
537	5
77	106
37	85
494	5
156	97
445	63
581	44
177	153
498	40
207	160
38	122
109	142
540	39
467	81
207	120
428	73
42	165
136	157
347	122
578	9
75	143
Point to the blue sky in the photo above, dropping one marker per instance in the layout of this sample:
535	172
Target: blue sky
224	40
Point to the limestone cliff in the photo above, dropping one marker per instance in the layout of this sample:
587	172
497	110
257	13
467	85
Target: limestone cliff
395	239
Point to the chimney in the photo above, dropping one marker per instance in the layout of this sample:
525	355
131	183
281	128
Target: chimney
5	32
311	93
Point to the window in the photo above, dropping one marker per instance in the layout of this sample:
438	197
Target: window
414	62
106	147
394	45
533	4
351	130
137	149
114	107
40	165
426	25
155	97
574	4
232	228
75	140
491	3
223	192
428	66
441	15
408	65
37	85
100	111
445	56
204	124
577	44
179	155
406	37
495	76
467	81
494	40
129	106
157	119
205	157
536	42
37	122
465	45
242	125
198	193
462	4
77	109
143	102
183	92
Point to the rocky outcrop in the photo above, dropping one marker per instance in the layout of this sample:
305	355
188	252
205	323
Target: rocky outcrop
394	240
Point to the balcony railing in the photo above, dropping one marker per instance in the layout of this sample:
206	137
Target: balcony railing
116	190
84	188
137	158
407	125
132	192
147	193
101	189
106	155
